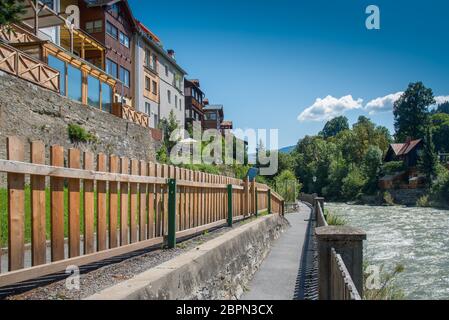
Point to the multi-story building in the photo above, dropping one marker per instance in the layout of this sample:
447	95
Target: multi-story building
214	119
195	102
159	79
213	116
76	59
146	69
112	24
171	96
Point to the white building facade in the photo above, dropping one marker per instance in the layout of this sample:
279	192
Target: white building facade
159	80
171	88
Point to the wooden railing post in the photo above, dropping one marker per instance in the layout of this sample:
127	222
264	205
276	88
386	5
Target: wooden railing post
171	237
230	206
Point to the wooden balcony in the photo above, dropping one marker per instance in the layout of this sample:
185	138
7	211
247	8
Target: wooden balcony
28	68
16	34
128	113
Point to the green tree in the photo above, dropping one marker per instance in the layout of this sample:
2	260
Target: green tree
10	11
168	126
334	127
371	166
411	112
443	108
428	161
440	130
353	184
287	185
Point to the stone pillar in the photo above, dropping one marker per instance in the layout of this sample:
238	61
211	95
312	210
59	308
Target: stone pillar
348	242
319	200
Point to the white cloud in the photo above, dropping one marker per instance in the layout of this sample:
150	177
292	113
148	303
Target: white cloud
441	99
382	104
329	107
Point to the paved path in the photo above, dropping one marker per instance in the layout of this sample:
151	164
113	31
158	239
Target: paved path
278	274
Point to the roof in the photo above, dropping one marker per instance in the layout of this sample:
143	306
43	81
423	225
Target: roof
402	149
212	107
156	43
101	3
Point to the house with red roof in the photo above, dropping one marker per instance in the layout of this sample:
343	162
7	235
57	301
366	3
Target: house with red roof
407	152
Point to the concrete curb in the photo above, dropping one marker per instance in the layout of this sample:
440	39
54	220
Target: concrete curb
218	269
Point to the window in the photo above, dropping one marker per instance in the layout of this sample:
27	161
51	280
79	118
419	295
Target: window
147	84
60	66
154	87
115	10
176	101
111	68
169	96
180	104
211	116
49	3
154	63
94	26
106	97
148	58
111	30
93	92
156	121
124	76
74	83
147	108
166	71
124	39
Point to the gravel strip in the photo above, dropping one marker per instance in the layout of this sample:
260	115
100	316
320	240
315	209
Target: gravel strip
102	278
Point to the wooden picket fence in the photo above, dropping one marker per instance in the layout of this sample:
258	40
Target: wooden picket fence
113	206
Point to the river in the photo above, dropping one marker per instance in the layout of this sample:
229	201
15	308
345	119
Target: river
415	237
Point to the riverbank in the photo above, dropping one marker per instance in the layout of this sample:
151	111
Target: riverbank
414	198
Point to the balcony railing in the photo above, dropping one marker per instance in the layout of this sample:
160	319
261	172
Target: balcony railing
24	66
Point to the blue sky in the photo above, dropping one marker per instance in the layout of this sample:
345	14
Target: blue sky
268	61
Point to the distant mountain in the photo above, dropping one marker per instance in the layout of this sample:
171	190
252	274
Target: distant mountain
287	149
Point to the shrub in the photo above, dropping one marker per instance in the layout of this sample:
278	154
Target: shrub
388	198
440	188
388	289
353	184
287	185
334	220
393	167
423	202
79	134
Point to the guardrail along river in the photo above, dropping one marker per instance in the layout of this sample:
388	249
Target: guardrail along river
418	238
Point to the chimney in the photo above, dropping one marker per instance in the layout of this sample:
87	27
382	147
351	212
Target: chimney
408	140
171	53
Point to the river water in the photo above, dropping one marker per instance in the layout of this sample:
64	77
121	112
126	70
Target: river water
415	237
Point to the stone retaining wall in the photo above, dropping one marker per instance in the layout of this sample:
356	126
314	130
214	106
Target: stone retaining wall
34	113
219	269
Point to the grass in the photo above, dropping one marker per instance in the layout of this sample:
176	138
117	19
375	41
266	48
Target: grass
334	220
388	289
4	213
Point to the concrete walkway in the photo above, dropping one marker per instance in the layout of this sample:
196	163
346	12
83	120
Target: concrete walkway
278	274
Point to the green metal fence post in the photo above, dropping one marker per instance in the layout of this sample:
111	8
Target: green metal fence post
171	238
230	220
269	201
